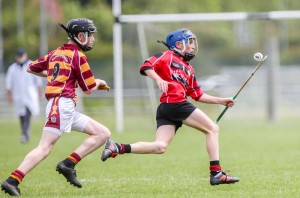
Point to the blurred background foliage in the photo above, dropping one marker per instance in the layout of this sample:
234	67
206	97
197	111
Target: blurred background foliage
224	57
219	38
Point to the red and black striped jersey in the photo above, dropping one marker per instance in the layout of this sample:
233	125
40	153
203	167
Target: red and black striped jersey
179	73
67	67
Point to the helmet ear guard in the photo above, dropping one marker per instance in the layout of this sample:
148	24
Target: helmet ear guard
77	26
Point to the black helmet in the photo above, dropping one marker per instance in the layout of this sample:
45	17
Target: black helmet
76	26
81	25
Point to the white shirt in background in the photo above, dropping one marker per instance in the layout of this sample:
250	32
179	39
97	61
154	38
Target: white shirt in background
24	87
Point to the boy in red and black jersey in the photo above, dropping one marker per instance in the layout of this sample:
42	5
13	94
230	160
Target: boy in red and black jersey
65	68
178	73
176	80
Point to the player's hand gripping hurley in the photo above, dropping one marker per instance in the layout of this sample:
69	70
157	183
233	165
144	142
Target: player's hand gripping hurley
261	61
103	87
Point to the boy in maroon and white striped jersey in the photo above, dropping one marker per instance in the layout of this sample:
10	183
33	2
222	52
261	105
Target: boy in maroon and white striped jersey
65	68
176	80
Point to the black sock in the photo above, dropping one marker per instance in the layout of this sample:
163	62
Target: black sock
214	163
69	163
124	148
12	181
127	148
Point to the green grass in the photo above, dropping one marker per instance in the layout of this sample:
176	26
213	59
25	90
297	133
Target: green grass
265	156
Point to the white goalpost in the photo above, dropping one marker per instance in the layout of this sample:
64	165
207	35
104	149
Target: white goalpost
162	18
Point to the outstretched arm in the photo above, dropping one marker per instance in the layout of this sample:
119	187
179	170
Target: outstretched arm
162	84
205	98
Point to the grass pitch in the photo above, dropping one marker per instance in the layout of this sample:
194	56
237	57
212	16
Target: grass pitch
265	156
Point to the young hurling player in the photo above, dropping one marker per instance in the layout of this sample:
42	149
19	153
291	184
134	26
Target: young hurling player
176	80
65	68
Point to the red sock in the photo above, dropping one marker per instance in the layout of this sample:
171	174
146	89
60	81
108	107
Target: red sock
74	157
18	175
215	168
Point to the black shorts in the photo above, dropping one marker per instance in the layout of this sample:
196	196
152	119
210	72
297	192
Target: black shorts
173	113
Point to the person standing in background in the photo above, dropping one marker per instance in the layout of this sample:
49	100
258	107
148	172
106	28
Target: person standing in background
24	91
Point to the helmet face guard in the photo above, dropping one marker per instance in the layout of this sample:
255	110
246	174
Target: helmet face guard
186	37
81	25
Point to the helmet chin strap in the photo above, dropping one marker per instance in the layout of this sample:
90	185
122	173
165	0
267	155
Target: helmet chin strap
75	39
87	47
86	38
186	56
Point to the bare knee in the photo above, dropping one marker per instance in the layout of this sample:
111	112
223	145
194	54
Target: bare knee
101	135
98	131
104	134
213	129
161	147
